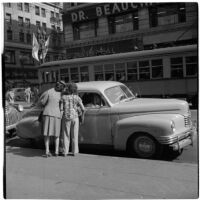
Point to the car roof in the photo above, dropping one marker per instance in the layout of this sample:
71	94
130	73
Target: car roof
97	85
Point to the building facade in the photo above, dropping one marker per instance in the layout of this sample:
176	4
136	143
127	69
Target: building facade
21	20
96	29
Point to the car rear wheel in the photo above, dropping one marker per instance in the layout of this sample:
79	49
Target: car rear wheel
145	146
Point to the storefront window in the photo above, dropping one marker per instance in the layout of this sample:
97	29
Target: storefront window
132	71
167	14
123	23
10	57
191	65
144	70
177	67
85	30
157	68
98	73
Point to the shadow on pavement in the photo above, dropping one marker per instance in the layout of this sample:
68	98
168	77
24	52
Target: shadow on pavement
32	144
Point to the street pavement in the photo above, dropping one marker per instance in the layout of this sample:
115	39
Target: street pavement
29	175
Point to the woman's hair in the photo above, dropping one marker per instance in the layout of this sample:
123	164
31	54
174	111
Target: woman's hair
72	88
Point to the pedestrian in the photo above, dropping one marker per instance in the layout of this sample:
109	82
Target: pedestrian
70	122
28	94
10	96
51	116
35	93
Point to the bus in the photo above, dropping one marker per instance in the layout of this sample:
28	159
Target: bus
170	72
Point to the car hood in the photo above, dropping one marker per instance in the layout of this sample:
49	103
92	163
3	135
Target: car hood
140	105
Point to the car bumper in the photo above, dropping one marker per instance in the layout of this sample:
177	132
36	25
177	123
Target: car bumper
182	140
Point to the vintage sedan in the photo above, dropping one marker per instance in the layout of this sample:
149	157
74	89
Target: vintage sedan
116	118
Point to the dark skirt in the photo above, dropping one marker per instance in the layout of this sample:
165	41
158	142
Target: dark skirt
51	126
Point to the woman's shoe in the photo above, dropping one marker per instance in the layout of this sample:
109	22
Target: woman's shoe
56	154
48	155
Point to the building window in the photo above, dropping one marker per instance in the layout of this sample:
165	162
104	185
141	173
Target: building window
28	38
44	26
20	21
37	24
26	7
123	23
37	10
9	34
191	65
43	12
53	27
85	30
98	73
157	68
132	71
21	36
8	5
120	71
19	6
8	18
84	73
144	70
165	14
27	58
177	67
27	22
52	14
10	57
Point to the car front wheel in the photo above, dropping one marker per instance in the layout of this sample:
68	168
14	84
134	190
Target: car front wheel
145	146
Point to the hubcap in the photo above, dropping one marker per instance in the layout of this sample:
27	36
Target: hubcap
145	146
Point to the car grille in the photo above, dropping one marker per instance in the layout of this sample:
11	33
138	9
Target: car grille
187	120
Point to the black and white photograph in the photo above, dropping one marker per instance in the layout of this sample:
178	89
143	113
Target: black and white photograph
100	100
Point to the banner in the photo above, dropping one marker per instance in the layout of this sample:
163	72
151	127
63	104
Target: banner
46	47
35	48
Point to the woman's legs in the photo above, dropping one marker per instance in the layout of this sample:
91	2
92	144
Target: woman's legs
75	129
57	139
46	142
66	135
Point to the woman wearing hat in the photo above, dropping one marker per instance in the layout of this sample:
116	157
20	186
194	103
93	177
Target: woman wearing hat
51	116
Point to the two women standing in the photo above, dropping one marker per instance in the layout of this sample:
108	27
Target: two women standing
56	122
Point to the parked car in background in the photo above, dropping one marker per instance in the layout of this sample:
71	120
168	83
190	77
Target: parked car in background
116	118
19	94
13	114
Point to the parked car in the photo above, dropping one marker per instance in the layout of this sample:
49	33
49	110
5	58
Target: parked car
13	114
116	118
19	94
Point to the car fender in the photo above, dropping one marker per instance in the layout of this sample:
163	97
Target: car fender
153	124
29	127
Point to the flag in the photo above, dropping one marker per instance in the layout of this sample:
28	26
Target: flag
35	48
46	47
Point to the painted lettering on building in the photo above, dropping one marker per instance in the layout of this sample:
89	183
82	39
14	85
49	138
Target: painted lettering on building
104	10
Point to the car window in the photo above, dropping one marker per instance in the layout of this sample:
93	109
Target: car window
91	99
118	93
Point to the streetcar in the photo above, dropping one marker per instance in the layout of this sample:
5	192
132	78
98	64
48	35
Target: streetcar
170	72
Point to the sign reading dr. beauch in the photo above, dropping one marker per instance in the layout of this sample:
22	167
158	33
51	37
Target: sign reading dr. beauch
101	10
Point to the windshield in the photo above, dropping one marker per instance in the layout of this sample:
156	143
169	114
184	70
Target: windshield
118	93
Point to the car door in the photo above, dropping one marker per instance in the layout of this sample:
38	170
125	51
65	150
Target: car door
97	127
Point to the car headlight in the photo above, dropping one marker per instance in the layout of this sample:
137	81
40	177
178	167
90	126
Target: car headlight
173	126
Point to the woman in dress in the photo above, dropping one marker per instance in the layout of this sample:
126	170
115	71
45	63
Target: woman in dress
51	116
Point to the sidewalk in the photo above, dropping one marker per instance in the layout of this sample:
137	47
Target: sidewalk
29	175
